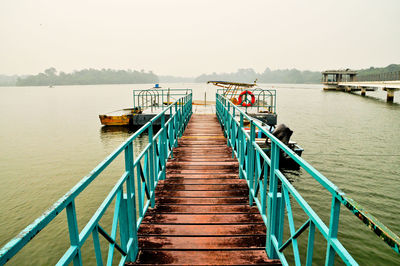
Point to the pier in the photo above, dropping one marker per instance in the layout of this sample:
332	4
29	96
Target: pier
202	216
202	191
347	80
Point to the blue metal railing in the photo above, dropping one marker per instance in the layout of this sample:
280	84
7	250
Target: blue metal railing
157	97
132	197
270	190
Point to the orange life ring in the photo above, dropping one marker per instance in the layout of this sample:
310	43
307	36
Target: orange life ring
244	103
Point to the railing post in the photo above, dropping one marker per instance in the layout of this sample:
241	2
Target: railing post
251	162
163	150
170	132
233	134
73	232
123	222
333	230
151	165
131	203
241	146
176	122
264	189
273	204
227	125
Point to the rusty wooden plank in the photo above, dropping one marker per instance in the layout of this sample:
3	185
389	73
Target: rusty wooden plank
194	201
243	218
204	230
183	209
203	171
211	175
202	242
214	187
233	257
203	181
205	194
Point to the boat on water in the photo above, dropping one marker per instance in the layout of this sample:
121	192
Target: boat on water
260	104
123	117
147	103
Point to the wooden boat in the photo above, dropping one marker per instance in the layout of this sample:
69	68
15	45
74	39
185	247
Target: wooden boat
121	117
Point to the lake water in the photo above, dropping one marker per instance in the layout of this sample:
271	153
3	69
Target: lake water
51	137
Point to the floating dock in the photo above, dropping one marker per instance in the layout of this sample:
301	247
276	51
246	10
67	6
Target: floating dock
203	216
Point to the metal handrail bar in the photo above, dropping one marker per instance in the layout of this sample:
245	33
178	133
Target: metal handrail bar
139	194
384	76
263	176
257	91
164	93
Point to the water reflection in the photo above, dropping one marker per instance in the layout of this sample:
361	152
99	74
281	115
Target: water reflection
115	135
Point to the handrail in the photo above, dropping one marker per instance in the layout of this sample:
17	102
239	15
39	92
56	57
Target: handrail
259	93
270	190
139	194
384	76
155	94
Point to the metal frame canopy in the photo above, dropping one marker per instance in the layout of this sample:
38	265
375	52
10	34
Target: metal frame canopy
231	88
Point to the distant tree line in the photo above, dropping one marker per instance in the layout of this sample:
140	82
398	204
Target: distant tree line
175	79
285	75
8	80
268	76
88	76
379	70
110	76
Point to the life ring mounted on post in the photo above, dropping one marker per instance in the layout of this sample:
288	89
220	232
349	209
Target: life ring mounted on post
246	102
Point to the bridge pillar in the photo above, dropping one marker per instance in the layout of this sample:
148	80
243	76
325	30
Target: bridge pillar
363	91
390	95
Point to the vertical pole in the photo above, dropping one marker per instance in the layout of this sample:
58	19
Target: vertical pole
74	232
162	98
333	230
241	146
264	189
272	202
151	165
123	222
227	125
171	131
131	203
97	250
176	125
163	150
310	244
205	98
181	117
233	134
251	162
390	95
363	91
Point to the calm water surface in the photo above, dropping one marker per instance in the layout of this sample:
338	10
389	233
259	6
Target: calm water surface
51	137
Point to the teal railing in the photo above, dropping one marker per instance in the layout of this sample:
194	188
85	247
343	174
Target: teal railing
131	203
157	97
270	190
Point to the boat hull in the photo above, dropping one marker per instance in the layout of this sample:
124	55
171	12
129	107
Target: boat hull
122	120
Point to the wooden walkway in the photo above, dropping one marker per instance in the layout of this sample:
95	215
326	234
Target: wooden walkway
202	215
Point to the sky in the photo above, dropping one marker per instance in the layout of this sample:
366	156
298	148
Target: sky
191	37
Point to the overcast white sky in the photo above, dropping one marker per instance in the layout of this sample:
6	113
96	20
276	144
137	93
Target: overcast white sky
190	37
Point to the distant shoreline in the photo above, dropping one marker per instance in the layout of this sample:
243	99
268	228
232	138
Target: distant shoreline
51	77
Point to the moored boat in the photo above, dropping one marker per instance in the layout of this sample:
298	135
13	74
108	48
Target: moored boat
121	117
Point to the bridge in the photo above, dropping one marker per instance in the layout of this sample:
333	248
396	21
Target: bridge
201	191
347	80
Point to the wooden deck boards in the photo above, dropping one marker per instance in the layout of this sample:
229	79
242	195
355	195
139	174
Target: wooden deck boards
202	216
